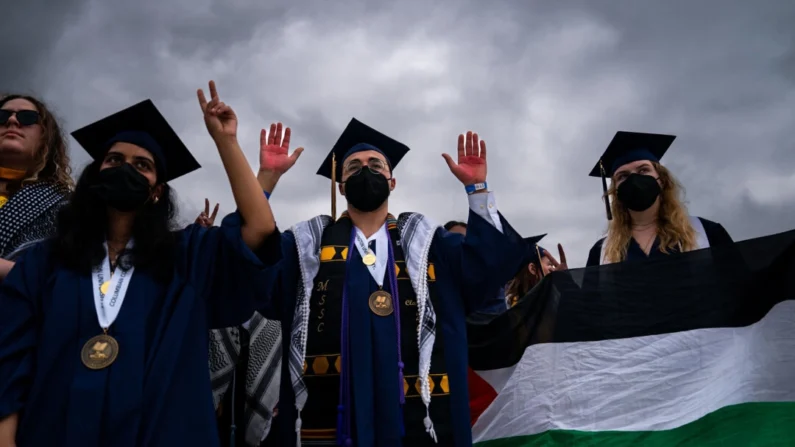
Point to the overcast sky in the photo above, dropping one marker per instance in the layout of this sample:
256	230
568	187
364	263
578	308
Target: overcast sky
545	85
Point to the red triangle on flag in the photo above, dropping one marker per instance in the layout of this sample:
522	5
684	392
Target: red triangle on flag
481	395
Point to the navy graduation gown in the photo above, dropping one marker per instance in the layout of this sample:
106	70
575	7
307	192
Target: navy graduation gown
158	392
496	305
716	234
468	272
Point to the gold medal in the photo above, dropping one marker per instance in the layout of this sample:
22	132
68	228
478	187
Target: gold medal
369	258
99	352
104	287
381	303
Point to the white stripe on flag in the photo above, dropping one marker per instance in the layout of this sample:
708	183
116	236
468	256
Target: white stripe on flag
497	378
645	383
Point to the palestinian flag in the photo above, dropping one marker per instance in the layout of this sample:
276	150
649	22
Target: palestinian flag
697	349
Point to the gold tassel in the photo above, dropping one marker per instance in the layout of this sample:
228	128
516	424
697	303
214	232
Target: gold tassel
333	187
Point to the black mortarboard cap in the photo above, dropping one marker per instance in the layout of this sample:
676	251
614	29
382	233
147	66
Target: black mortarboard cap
627	147
358	137
534	250
144	126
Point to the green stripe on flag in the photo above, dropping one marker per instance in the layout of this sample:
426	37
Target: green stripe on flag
743	425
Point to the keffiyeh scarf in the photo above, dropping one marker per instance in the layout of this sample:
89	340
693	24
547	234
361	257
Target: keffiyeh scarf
416	235
263	373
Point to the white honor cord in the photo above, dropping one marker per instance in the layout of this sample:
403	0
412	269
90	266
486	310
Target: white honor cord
108	310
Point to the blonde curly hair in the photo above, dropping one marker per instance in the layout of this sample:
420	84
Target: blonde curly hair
673	225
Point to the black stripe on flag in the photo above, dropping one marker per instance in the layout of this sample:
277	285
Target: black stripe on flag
727	286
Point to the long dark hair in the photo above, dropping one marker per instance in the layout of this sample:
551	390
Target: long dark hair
454	223
51	161
523	282
83	222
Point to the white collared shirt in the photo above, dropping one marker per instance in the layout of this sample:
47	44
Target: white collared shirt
483	205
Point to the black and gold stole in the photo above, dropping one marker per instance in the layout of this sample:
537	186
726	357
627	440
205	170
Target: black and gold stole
322	364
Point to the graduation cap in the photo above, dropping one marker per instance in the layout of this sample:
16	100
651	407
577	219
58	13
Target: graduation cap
144	126
358	137
627	147
535	249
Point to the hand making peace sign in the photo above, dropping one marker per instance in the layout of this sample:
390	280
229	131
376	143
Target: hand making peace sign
471	167
558	266
274	148
220	119
206	219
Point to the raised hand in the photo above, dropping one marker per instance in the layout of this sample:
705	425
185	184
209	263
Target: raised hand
220	119
558	266
274	148
471	166
206	219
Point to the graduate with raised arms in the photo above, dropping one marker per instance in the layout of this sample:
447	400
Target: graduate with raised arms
104	329
373	307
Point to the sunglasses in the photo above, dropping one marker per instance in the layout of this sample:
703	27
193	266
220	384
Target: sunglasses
24	117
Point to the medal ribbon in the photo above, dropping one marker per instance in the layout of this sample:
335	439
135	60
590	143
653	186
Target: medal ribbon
377	271
106	314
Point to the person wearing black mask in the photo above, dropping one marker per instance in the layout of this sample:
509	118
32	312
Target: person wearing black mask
76	369
644	204
373	307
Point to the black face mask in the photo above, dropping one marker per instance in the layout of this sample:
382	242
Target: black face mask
638	192
122	188
366	191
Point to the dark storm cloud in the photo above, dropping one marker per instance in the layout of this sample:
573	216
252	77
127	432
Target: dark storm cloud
29	31
546	84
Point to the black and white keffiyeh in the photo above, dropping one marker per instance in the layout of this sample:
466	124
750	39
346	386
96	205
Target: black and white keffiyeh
224	355
416	235
29	217
263	373
264	368
308	235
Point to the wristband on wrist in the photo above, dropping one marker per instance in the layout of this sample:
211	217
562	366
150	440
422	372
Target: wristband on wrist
472	189
267	195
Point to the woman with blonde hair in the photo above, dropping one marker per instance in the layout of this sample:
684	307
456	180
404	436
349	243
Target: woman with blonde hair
34	175
647	216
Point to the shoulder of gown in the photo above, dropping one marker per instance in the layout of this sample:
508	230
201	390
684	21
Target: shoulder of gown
595	254
278	282
716	234
483	261
225	271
